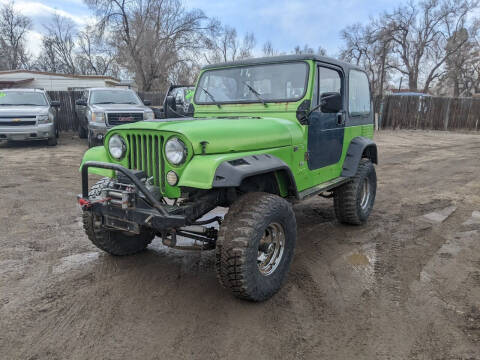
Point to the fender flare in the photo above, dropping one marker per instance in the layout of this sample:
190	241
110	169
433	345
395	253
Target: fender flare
231	173
358	147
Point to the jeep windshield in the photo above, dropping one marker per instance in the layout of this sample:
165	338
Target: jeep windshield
22	98
279	82
99	97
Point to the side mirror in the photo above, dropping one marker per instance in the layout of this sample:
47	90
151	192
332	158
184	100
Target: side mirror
81	102
147	102
55	103
331	102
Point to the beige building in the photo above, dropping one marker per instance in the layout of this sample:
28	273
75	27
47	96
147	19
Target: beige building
57	82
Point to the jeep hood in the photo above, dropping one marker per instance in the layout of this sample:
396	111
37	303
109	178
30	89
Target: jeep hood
225	135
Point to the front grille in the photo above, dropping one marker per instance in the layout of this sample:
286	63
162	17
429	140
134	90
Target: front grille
123	118
17	123
146	154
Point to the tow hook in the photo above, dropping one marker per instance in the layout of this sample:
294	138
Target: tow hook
86	204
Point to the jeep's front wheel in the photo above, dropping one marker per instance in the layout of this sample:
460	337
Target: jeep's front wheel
354	201
117	243
255	246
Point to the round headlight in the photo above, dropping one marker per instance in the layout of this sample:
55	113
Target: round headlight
117	147
175	151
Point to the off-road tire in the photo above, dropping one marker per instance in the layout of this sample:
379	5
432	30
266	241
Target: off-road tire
113	242
52	141
238	241
347	198
82	132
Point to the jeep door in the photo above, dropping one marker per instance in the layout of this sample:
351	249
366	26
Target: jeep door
326	129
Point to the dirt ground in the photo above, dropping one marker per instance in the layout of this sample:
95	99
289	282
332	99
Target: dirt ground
401	287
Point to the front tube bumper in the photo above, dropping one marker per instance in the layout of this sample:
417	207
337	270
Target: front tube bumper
163	215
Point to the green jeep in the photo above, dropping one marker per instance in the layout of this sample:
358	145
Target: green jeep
265	133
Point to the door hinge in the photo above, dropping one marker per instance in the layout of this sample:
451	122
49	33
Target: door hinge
307	156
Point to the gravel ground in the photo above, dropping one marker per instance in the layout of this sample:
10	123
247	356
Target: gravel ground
404	286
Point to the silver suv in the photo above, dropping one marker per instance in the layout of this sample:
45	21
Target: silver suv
28	114
102	108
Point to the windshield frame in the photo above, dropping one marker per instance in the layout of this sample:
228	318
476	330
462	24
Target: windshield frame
45	98
91	92
253	101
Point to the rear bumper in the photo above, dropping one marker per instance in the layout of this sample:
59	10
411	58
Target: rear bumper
34	132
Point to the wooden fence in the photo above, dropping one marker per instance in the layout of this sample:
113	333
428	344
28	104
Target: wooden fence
426	112
397	112
66	116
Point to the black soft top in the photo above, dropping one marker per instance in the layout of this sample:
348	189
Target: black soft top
283	58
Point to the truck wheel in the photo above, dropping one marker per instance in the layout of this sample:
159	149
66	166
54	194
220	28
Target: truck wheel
113	242
52	141
353	201
82	132
90	140
255	246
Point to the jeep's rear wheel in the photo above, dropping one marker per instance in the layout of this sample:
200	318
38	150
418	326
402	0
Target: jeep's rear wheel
114	242
255	246
354	201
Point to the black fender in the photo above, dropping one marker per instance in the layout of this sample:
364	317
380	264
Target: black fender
359	147
231	173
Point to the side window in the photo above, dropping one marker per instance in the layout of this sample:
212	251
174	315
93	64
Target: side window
329	80
358	94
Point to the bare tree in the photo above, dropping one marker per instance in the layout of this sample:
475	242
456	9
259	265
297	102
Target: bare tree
58	46
461	70
419	33
305	50
151	36
223	45
369	47
269	50
308	50
13	29
95	56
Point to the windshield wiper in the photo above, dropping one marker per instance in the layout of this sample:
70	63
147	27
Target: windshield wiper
211	97
104	102
25	104
256	93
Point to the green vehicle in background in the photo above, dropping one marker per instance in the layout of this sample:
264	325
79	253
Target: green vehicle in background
265	133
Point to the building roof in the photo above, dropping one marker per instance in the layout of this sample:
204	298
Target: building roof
282	58
410	93
105	77
23	90
12	82
109	88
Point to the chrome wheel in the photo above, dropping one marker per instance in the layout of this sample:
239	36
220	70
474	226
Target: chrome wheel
365	195
270	249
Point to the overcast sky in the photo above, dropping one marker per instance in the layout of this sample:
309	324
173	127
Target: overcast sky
285	23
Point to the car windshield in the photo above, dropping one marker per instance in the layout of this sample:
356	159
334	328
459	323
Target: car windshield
257	83
19	98
114	97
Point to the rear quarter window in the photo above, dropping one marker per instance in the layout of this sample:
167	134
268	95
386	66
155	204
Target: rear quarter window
358	94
